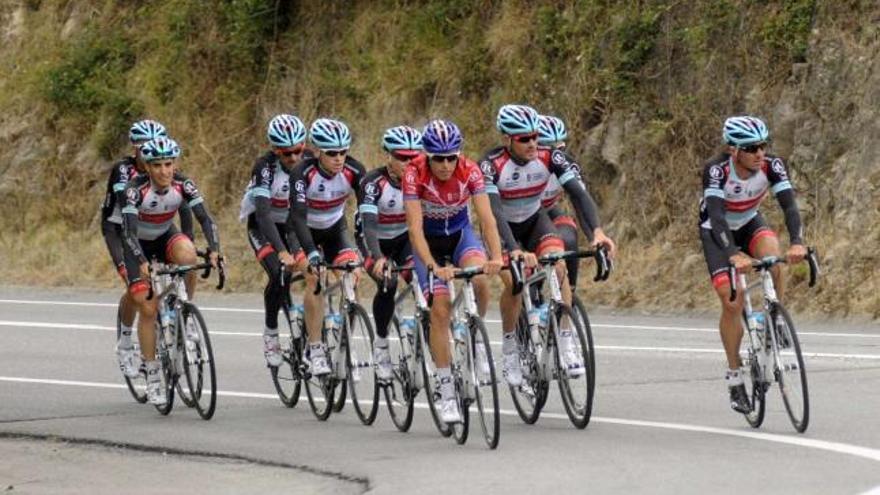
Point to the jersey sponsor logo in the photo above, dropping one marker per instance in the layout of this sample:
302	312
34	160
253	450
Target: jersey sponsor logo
737	189
321	188
558	158
189	187
391	203
516	176
300	186
474	176
716	172
779	168
265	173
371	189
487	168
132	195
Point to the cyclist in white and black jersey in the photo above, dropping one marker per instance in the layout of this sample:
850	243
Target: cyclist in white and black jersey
266	206
733	232
121	173
516	176
552	135
382	232
151	202
321	187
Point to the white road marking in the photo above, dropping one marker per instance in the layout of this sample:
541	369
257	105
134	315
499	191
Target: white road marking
689	350
872	491
798	441
488	320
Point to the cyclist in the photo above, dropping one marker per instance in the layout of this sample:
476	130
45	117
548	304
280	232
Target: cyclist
383	234
111	228
552	135
151	201
321	186
265	206
436	190
517	175
733	231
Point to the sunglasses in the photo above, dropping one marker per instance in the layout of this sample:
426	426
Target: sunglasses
526	138
753	148
335	153
444	158
403	157
293	151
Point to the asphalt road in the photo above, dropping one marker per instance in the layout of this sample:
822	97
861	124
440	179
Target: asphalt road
661	423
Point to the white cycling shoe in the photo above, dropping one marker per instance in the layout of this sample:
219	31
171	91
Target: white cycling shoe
448	410
129	361
319	365
382	358
272	350
512	369
571	358
155	390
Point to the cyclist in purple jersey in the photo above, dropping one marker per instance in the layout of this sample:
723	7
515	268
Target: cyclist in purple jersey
733	231
436	190
266	206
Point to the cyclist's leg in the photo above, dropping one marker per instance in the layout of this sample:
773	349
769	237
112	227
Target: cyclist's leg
543	240
440	311
127	310
138	288
273	293
568	232
181	251
762	241
469	252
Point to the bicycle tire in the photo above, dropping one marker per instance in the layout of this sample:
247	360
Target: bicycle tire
321	391
181	386
578	412
788	377
429	378
287	378
400	390
461	364
359	359
137	387
757	394
581	312
199	358
169	381
485	381
528	402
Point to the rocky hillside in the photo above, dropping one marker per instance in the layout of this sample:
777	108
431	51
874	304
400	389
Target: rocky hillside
643	86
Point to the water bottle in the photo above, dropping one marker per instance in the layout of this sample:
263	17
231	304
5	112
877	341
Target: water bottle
458	332
166	315
408	325
759	322
296	313
543	311
332	321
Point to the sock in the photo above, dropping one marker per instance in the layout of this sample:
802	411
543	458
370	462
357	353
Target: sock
270	332
508	342
444	378
733	377
380	343
125	337
316	349
153	370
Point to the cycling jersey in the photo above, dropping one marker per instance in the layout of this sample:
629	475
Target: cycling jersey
269	179
521	186
553	191
380	211
148	211
318	199
730	202
122	172
444	203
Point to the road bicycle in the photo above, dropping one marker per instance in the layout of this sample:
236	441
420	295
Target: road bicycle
289	375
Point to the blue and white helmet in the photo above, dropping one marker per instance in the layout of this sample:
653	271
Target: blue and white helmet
285	131
329	134
161	148
402	138
745	130
551	130
441	136
517	119
145	130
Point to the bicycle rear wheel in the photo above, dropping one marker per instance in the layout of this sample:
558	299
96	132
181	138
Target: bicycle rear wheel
574	387
756	387
400	390
528	398
361	373
287	377
136	386
429	378
789	368
198	360
485	384
580	311
169	380
322	391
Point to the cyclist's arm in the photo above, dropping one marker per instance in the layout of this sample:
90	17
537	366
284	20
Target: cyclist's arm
781	187
266	225
196	202
585	209
488	225
368	209
297	225
713	200
186	221
130	223
413	208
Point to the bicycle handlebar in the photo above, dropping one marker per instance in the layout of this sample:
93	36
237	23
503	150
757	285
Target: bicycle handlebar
184	269
767	262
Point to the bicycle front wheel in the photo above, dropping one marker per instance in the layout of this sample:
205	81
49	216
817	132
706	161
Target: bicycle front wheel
789	368
572	366
580	311
756	387
198	361
529	397
361	374
169	379
429	378
136	386
485	383
287	377
400	390
322	390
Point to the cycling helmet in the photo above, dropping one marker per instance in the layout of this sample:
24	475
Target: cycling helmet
286	131
329	134
145	130
551	130
517	119
441	136
745	130
161	148
402	138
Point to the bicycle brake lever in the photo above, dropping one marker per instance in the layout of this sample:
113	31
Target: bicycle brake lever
731	274
814	265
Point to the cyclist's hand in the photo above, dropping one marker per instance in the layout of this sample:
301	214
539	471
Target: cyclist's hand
145	271
796	253
378	267
315	259
600	239
493	266
287	260
530	259
445	272
214	258
742	262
